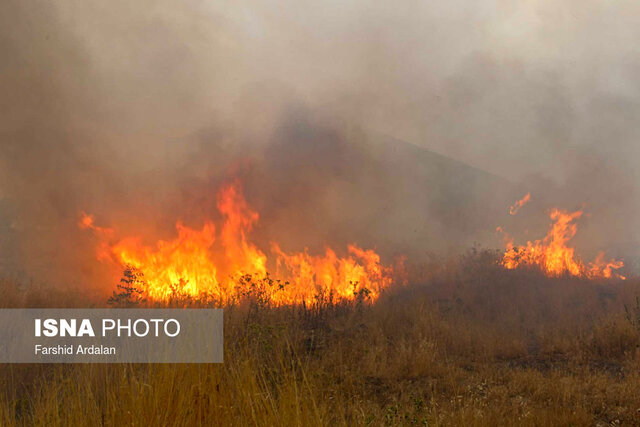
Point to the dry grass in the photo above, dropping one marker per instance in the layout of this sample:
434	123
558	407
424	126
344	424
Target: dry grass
471	345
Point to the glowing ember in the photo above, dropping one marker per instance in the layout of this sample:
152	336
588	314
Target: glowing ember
552	254
520	203
224	264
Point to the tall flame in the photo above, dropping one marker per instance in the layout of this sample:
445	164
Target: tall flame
553	255
218	262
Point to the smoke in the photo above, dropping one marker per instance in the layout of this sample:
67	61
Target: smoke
137	111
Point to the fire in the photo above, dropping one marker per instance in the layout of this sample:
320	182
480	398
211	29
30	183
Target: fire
222	261
520	203
86	222
360	271
553	255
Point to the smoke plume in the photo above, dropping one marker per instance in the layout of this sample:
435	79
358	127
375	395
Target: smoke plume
411	127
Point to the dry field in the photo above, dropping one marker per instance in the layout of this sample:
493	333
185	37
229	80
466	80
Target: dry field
468	344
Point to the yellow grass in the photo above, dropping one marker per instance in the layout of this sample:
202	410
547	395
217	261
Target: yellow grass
469	344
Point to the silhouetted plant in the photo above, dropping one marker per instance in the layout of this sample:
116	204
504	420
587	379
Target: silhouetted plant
130	289
260	290
361	295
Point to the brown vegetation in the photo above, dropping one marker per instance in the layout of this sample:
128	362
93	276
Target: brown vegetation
472	344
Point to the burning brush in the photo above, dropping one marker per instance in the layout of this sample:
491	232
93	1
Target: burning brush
552	254
217	261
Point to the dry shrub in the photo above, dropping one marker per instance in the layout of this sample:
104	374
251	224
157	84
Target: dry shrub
467	343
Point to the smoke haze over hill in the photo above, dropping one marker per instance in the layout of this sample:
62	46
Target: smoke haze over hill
137	111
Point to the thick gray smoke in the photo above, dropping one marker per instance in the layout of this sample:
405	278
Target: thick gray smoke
137	111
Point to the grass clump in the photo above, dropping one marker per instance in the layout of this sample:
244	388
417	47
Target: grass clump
469	343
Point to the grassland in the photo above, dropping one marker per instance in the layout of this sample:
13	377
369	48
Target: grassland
468	344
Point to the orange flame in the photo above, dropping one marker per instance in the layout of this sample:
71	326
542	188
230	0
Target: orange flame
361	271
552	254
204	261
86	222
520	203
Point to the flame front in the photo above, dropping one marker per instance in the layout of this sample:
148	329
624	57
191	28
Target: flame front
553	255
358	272
223	262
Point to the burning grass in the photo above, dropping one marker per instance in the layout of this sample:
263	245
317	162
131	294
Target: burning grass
553	254
470	343
212	262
